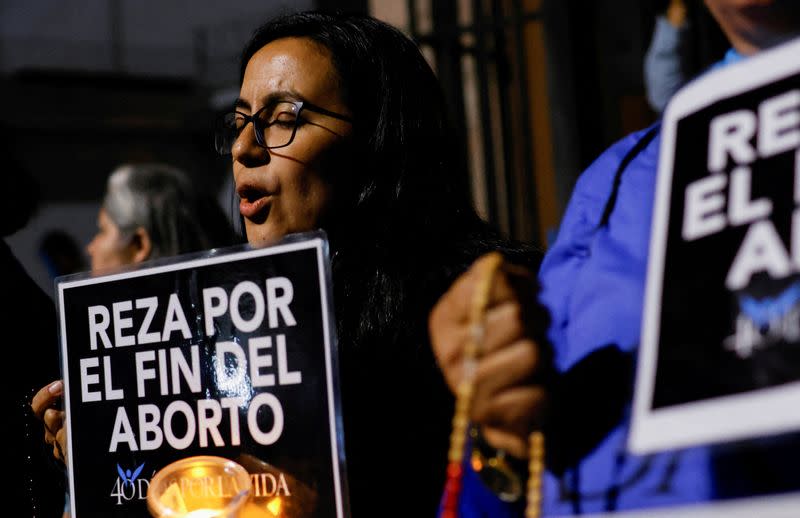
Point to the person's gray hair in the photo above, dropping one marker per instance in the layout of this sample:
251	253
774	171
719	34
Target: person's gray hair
161	199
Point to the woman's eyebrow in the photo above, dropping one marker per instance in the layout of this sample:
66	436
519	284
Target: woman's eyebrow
271	98
283	95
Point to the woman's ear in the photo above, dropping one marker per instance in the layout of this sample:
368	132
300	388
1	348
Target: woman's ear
141	246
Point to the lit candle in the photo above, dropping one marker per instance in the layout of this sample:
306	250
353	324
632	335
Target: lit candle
199	487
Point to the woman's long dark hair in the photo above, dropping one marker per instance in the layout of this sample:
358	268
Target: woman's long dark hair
403	229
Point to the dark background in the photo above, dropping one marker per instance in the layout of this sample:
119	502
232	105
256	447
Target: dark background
89	85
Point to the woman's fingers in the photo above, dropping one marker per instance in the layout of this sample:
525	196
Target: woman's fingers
46	397
497	438
53	420
54	432
503	326
450	326
60	445
43	407
516	410
513	365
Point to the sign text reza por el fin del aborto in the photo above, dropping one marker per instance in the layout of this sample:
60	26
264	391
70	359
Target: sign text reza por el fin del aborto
173	370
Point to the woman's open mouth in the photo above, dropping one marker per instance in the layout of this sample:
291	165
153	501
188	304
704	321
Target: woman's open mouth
254	205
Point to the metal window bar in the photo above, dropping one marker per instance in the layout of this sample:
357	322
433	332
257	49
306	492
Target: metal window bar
529	208
499	53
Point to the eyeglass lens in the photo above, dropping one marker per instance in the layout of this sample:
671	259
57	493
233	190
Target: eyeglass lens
274	126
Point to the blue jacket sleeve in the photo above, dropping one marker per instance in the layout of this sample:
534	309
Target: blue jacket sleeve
590	275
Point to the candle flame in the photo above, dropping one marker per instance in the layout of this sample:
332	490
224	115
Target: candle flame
274	505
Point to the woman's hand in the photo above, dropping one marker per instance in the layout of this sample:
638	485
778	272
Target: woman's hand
43	404
508	401
676	13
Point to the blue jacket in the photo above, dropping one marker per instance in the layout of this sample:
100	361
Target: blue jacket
593	280
593	283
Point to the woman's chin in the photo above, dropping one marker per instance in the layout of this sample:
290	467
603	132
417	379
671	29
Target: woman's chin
264	235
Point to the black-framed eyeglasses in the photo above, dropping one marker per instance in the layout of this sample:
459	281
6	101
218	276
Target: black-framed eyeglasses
275	125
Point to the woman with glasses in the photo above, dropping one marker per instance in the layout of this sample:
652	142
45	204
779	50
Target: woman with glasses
340	124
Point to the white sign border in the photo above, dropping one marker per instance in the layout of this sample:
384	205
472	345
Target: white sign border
783	505
337	446
724	418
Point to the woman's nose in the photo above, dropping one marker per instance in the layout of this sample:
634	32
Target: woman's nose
247	151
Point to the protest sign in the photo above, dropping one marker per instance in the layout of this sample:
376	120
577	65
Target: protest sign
720	351
229	354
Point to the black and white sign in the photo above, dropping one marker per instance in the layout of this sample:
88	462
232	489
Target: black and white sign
720	350
230	354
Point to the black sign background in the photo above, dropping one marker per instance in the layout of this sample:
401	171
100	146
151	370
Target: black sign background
698	312
304	449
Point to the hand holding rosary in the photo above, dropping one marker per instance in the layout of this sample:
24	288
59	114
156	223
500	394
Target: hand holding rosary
497	470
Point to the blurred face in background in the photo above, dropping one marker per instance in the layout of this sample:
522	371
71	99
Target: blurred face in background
754	25
109	248
289	189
